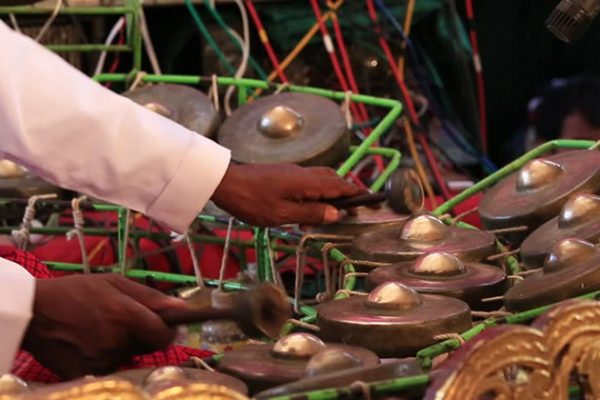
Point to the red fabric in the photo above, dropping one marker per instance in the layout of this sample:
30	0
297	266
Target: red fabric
26	367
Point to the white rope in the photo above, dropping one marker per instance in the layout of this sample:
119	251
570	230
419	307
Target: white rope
282	87
138	79
14	23
225	253
78	222
49	21
214	92
195	262
21	235
109	39
245	43
200	363
148	43
346	107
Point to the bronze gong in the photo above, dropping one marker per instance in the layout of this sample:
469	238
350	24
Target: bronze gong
419	235
444	274
263	366
17	182
365	220
295	128
393	320
579	217
572	268
183	104
536	193
170	375
390	370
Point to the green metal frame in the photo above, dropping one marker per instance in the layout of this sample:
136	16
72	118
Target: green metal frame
131	10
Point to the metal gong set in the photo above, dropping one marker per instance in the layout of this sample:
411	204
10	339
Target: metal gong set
425	278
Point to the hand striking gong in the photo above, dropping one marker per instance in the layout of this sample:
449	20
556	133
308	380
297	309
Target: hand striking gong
536	193
185	105
579	218
419	235
294	128
444	274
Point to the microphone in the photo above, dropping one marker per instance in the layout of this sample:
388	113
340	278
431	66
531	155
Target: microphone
571	18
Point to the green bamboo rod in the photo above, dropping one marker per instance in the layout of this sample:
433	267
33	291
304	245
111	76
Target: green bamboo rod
65	48
68	10
375	389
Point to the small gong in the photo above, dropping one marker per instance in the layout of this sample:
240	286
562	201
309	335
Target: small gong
295	128
444	274
263	366
365	220
536	193
11	385
345	377
419	235
17	182
393	320
183	104
172	374
579	217
572	268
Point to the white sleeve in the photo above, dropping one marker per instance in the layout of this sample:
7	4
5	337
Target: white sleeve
16	302
79	135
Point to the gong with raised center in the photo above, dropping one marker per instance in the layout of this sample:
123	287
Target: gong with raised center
419	235
292	357
444	274
17	182
579	218
295	128
183	104
390	370
393	320
365	220
536	193
173	374
572	268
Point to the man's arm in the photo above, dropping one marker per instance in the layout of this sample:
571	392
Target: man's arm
81	136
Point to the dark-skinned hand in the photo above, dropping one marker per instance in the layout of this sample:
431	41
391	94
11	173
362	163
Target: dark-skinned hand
277	194
91	324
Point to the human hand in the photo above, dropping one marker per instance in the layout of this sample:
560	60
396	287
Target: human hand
277	194
91	324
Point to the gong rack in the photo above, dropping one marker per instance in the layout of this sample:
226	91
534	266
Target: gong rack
329	247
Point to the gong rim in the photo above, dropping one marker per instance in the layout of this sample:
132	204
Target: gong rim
391	333
323	140
189	107
366	220
477	282
138	377
255	365
396	369
27	186
581	174
536	247
543	288
386	245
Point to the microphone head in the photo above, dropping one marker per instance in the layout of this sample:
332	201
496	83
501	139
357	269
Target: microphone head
571	18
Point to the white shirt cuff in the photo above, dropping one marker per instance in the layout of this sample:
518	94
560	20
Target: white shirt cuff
194	183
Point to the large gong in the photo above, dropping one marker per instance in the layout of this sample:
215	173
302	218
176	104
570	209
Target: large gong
536	193
183	104
295	128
